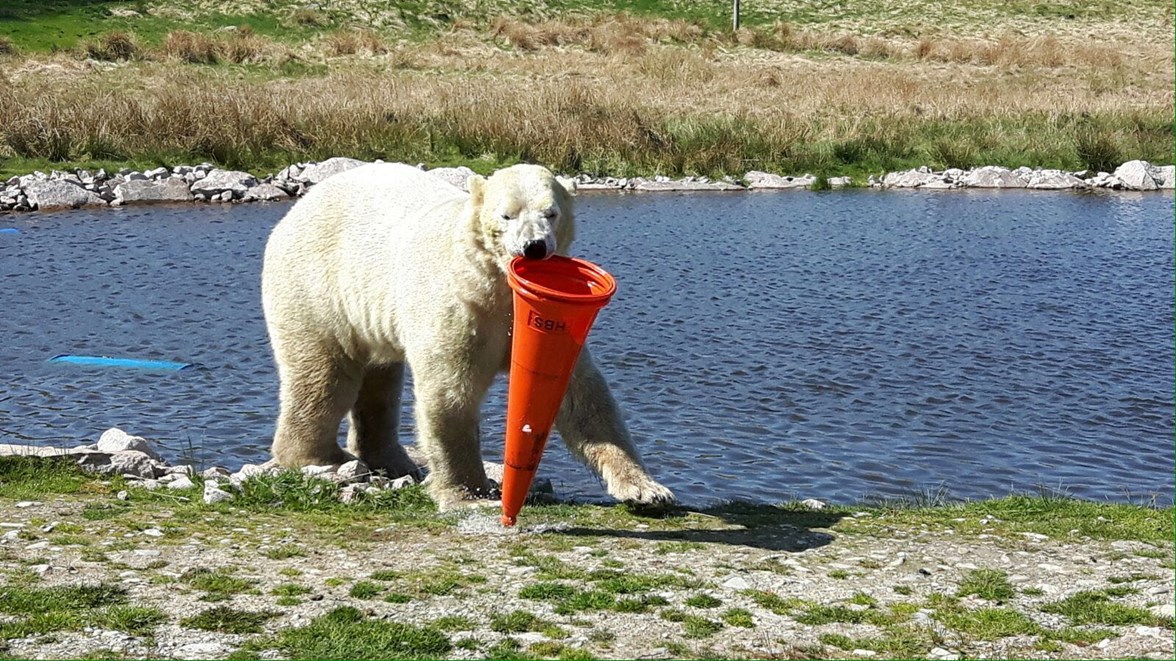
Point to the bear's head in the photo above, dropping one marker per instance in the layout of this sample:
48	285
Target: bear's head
523	211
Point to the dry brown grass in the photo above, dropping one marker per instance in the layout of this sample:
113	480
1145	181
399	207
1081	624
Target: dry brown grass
615	94
113	47
238	46
352	42
672	109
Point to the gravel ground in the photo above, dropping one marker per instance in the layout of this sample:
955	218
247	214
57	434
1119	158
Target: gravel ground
878	582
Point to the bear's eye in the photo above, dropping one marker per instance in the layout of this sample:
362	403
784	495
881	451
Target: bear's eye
550	214
505	216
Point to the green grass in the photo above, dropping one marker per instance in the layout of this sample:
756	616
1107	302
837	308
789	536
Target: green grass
703	601
696	626
517	622
28	478
991	584
224	619
774	602
290	590
898	642
284	552
345	633
218	584
454	623
547	591
1099	607
739	617
44	610
983	623
366	590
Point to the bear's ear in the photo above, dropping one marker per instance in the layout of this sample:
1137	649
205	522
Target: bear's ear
568	184
476	184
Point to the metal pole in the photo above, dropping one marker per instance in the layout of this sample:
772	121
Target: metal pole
734	15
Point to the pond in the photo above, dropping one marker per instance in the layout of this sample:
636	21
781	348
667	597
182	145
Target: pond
765	346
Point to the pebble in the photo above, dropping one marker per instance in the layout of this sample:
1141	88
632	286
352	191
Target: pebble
25	504
181	483
813	504
737	583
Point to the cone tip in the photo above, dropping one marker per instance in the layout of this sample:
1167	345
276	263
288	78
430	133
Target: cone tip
508	520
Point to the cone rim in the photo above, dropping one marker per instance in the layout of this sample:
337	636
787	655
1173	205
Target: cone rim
527	287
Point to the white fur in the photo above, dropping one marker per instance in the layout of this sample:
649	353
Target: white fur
385	265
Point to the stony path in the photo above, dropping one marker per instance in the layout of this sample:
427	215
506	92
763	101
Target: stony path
857	587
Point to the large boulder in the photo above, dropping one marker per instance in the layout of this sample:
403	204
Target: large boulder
458	176
171	189
991	176
220	181
1139	175
265	193
57	194
684	185
1167	179
910	178
768	181
316	173
117	440
1054	180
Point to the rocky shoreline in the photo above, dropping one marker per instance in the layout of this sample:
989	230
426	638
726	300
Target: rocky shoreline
208	183
118	453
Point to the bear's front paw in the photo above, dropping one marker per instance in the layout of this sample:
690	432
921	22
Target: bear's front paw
643	491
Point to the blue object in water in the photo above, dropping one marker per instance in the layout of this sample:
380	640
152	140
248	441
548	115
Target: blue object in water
132	363
9	230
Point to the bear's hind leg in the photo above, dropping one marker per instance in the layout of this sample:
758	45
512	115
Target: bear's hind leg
318	387
373	432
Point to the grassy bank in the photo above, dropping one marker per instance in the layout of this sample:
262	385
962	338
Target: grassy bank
664	89
103	569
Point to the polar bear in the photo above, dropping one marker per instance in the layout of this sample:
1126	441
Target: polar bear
385	265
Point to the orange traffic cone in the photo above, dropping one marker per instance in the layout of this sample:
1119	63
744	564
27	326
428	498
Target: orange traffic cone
555	303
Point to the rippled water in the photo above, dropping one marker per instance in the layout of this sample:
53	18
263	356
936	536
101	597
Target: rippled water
765	346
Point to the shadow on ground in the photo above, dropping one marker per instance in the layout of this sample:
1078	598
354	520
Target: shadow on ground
767	527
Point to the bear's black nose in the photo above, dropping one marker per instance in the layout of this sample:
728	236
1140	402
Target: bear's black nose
536	249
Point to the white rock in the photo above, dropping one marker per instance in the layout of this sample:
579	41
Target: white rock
134	464
181	483
1054	180
737	583
685	185
171	189
215	473
757	180
316	173
1139	175
992	177
840	182
861	652
458	176
1167	177
117	440
813	504
351	471
401	482
153	532
220	181
317	471
47	195
214	494
908	179
265	193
